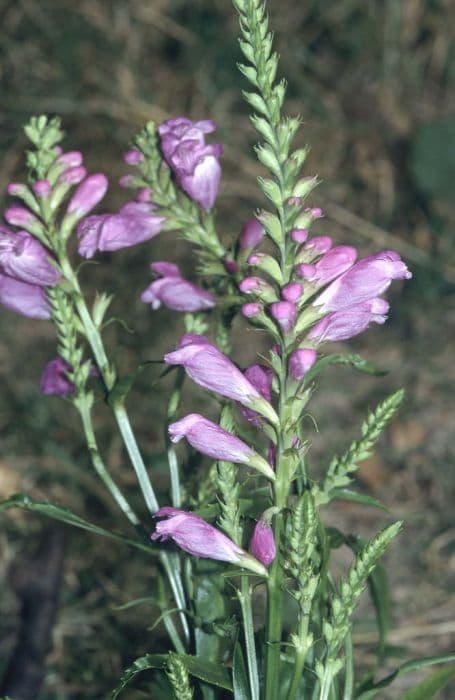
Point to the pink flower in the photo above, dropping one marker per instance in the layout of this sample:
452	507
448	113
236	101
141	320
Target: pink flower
175	292
207	437
194	164
319	244
133	224
251	234
25	259
333	264
349	321
300	361
261	378
292	291
284	313
54	379
194	535
208	367
26	299
365	280
262	544
89	193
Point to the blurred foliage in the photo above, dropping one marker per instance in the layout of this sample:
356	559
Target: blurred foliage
374	84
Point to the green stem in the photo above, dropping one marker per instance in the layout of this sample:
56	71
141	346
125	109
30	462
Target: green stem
300	656
82	403
244	596
348	692
274	620
173	405
326	683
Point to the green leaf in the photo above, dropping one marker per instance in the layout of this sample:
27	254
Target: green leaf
50	510
378	584
239	675
428	688
369	689
343	359
354	497
211	673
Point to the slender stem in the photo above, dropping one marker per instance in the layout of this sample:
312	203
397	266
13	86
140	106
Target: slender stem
244	596
83	406
348	691
326	683
174	402
300	656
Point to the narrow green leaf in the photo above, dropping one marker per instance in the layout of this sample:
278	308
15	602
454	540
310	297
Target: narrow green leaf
211	673
427	689
378	584
369	689
239	675
352	359
354	497
50	510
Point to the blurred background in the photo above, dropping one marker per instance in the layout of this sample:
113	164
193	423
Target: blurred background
373	82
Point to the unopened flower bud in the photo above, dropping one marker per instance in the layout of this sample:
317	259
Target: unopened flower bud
89	193
284	313
251	234
127	181
133	157
42	188
73	176
319	244
292	291
70	159
20	216
251	310
54	379
299	235
262	544
144	194
268	264
301	361
259	288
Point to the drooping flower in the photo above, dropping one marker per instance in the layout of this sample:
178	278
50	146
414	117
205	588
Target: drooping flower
54	379
212	440
349	321
365	280
24	258
300	361
262	544
193	162
175	292
134	223
26	299
211	369
194	535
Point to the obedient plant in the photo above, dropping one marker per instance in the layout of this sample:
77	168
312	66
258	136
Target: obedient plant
280	622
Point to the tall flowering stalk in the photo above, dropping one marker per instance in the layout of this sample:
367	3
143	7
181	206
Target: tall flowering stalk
254	518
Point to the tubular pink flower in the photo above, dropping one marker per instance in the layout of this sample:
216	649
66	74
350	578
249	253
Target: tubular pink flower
54	379
284	313
89	193
175	292
349	321
194	164
25	259
262	544
301	361
208	367
25	299
211	440
194	535
365	280
333	264
251	234
133	224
